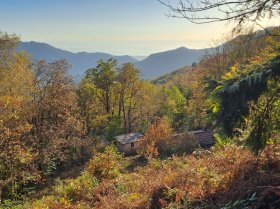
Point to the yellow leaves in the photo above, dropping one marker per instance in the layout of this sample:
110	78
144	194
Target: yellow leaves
231	74
215	105
133	196
24	155
265	54
50	202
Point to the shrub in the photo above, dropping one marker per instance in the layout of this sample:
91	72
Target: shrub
76	189
105	165
50	202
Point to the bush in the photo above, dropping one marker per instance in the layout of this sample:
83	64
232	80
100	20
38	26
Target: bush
105	165
76	189
50	202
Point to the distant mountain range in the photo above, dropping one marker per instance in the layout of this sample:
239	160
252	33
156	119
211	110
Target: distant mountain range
161	63
80	61
151	67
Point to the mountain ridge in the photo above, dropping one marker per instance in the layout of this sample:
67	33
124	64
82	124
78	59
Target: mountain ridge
80	61
154	65
160	63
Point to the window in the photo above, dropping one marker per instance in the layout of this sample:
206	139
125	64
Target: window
132	144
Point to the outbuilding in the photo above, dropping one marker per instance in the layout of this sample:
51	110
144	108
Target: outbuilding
204	138
128	143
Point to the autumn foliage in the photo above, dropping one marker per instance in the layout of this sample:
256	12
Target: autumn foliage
155	139
105	165
39	121
204	179
46	120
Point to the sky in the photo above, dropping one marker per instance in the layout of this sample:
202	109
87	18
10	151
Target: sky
119	27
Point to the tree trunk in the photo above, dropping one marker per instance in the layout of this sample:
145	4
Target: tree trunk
124	115
0	194
129	117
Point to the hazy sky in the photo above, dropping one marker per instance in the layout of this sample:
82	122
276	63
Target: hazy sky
134	27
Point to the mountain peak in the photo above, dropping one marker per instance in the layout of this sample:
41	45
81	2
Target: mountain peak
160	63
181	48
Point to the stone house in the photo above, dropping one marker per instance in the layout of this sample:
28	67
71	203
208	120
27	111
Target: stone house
128	143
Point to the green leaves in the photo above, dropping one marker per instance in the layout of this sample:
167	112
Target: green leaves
232	100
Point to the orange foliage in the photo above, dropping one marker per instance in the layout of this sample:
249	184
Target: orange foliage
155	138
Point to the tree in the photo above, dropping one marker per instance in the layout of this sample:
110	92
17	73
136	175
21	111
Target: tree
208	11
103	76
133	103
264	118
40	125
196	108
150	101
129	88
16	90
174	105
191	114
89	104
56	125
250	89
8	44
156	137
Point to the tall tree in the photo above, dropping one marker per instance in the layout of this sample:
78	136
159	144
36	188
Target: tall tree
16	90
56	124
103	76
129	87
89	104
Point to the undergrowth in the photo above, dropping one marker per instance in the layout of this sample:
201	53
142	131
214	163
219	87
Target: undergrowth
223	177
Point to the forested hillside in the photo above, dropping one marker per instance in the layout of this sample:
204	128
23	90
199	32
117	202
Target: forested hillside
47	121
160	63
205	136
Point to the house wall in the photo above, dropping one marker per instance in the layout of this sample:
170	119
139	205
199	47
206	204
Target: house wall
127	149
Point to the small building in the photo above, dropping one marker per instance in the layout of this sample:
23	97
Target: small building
128	143
204	138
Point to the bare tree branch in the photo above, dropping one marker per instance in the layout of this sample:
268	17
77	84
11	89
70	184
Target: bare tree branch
209	11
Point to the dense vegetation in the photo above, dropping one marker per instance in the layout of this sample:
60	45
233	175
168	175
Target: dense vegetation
46	121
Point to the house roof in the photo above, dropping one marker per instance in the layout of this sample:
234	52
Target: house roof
204	138
128	138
